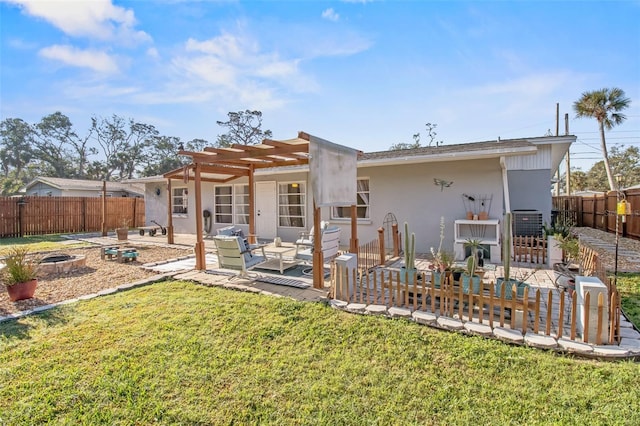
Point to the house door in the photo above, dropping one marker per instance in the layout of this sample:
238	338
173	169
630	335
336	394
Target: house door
266	206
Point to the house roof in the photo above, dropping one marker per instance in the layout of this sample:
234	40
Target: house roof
86	185
464	151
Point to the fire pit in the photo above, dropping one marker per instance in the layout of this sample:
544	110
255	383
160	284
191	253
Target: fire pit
57	263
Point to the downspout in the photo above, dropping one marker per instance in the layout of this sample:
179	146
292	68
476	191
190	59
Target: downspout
505	185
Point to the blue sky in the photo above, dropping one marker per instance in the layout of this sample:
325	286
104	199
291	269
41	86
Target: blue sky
366	74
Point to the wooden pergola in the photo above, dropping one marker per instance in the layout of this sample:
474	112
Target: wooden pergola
223	165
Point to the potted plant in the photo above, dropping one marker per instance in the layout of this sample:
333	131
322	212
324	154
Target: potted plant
408	271
442	260
470	280
555	235
475	248
123	231
508	281
19	273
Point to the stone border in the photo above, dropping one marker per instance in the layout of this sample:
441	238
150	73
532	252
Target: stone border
629	348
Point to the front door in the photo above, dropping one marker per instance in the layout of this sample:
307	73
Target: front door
266	206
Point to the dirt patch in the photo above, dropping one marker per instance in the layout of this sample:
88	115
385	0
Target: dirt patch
95	276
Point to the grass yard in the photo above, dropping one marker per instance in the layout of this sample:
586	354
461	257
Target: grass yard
179	353
38	243
629	288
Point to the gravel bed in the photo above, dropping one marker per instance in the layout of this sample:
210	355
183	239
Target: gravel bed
625	245
95	276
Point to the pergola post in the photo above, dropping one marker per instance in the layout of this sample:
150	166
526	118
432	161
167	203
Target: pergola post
353	246
252	207
201	263
169	213
318	260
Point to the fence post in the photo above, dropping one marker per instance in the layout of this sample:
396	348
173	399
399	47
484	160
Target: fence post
383	256
104	208
395	239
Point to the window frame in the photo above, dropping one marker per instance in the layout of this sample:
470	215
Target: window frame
236	205
334	210
216	204
302	205
184	202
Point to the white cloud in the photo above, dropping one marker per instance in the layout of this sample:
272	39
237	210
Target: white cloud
96	19
235	67
152	52
331	15
92	59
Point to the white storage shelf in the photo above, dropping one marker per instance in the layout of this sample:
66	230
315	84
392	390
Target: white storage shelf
487	231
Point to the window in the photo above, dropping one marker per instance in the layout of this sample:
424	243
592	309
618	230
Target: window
292	204
179	200
223	204
241	198
362	203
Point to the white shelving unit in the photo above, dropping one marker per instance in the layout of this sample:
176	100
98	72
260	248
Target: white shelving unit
487	231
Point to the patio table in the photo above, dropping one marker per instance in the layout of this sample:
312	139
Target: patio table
277	261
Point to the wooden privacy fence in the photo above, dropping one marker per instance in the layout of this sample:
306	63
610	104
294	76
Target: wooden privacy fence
53	215
599	211
523	309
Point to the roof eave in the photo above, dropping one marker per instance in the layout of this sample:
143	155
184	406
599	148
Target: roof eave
451	156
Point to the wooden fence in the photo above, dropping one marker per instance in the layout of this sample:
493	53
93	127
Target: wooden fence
546	312
374	253
599	211
52	215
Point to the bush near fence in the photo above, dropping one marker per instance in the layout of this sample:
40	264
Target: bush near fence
54	215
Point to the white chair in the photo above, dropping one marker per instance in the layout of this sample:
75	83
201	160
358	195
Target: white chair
330	245
235	253
305	239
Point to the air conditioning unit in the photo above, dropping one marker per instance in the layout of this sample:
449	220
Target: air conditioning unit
527	223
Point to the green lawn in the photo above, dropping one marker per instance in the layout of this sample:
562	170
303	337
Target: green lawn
38	243
629	288
179	353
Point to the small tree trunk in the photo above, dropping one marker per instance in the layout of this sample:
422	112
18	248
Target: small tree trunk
605	156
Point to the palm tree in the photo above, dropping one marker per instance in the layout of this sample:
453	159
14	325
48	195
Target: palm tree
604	105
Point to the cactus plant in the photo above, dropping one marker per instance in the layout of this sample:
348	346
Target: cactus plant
409	248
506	246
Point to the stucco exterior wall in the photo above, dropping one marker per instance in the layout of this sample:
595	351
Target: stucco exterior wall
409	192
531	190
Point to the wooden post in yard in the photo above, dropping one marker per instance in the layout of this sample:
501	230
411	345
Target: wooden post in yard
383	256
104	208
201	263
169	213
318	259
395	239
353	247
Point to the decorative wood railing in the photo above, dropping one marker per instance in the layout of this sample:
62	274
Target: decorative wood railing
532	310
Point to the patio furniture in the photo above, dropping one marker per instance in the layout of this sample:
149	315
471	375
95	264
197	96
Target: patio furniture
234	252
330	244
305	239
277	261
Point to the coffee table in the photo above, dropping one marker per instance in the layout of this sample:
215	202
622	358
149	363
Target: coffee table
276	262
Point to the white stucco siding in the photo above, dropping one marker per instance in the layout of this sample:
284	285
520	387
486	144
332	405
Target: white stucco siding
410	194
155	205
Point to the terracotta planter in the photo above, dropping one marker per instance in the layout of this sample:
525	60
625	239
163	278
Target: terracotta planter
469	215
22	291
122	233
483	215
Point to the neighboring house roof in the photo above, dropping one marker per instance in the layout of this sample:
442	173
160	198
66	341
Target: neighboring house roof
86	185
